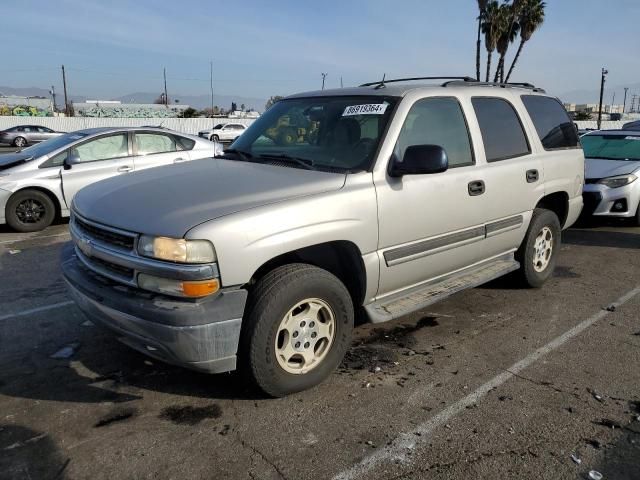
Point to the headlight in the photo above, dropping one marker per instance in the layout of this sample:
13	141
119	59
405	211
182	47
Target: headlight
619	181
178	288
177	249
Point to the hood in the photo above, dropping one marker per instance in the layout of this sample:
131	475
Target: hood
12	159
169	201
596	168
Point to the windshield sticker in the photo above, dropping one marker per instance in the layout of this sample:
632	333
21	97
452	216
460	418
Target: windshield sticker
369	109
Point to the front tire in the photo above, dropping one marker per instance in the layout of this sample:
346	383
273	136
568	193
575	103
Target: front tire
20	142
296	330
214	138
538	253
30	211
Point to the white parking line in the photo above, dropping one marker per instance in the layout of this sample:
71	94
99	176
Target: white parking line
406	442
44	308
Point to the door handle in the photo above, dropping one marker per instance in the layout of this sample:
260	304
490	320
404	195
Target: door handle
532	176
178	160
476	188
125	169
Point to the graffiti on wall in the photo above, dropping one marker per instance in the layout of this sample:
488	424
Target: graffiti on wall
23	111
122	111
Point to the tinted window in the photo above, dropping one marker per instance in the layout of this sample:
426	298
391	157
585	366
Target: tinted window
55	161
149	143
185	143
501	129
437	121
44	130
554	127
103	148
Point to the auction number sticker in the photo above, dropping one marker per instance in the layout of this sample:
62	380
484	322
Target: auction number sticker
368	109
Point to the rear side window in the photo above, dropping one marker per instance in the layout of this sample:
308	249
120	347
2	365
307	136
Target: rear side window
185	143
150	143
502	131
554	127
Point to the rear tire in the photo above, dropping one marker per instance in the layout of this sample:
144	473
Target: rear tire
30	211
214	138
539	249
296	330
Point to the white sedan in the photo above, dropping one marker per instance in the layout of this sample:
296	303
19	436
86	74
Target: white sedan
38	183
612	188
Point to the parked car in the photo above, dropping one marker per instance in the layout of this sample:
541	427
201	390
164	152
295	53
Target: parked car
39	182
223	132
24	135
612	170
387	199
635	125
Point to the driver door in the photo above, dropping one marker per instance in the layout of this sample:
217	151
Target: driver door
94	160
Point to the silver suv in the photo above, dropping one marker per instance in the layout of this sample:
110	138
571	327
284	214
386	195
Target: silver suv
377	200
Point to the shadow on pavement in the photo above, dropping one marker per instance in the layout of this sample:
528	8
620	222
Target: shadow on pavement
27	454
601	238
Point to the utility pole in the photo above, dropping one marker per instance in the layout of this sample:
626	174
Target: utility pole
53	96
624	102
324	75
633	102
64	85
166	98
604	73
211	84
341	85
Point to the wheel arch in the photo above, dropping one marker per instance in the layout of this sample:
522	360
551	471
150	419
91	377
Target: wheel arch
54	198
341	258
558	203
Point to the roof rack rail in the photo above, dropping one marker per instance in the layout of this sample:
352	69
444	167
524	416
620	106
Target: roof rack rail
475	83
380	83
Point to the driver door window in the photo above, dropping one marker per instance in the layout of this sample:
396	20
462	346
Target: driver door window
103	148
437	121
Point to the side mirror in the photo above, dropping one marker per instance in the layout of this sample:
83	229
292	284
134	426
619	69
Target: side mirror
71	160
420	160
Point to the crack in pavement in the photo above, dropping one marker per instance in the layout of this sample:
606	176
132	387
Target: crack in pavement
247	445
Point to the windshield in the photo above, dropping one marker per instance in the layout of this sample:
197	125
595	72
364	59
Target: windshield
325	133
611	147
48	146
219	126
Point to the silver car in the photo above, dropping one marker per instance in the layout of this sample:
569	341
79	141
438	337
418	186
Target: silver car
612	164
38	183
24	135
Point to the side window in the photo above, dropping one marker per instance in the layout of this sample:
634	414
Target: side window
554	127
44	130
185	143
103	148
437	121
149	143
56	161
501	129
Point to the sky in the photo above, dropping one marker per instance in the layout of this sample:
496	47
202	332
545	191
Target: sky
111	48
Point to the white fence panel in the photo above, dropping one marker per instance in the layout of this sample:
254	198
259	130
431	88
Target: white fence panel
70	124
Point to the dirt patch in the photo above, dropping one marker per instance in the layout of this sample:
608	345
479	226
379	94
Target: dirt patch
189	415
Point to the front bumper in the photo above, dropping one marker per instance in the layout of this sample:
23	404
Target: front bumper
200	335
599	200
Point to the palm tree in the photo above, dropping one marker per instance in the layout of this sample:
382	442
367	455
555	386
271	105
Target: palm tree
482	5
491	30
509	30
530	19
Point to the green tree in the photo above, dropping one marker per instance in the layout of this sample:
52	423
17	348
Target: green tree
491	27
242	107
234	107
272	100
482	5
189	113
531	18
582	116
509	31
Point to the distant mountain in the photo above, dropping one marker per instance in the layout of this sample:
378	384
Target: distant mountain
196	101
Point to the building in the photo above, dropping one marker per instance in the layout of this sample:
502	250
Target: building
117	109
25	106
594	107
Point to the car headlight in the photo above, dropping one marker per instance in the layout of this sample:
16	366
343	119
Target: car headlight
618	181
177	249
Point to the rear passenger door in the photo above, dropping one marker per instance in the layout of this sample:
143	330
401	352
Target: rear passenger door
512	173
153	149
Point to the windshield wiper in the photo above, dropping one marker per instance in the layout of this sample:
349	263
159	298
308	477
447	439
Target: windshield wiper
305	162
244	156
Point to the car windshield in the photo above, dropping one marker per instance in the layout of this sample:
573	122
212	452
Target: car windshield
325	133
52	144
612	147
218	127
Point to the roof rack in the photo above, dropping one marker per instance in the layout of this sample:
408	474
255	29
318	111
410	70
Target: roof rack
380	83
475	83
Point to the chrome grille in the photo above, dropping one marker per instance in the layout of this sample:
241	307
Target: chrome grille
105	235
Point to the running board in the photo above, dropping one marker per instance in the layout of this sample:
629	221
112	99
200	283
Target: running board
407	302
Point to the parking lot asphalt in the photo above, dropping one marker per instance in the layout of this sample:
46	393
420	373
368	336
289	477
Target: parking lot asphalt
495	382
